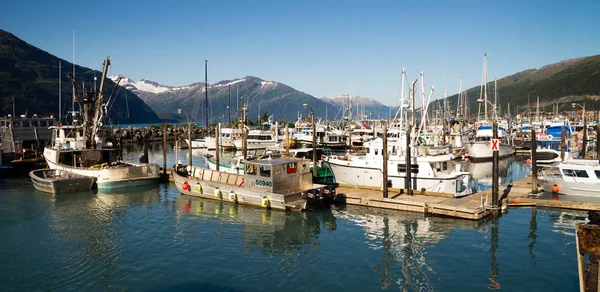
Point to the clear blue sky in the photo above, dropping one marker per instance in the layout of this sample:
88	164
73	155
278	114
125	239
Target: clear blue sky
329	48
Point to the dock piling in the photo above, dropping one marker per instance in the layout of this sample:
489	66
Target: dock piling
584	144
534	184
408	169
190	144
164	148
385	162
562	143
217	144
495	170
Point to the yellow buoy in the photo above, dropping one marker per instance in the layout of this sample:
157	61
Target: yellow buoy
232	197
264	202
218	193
198	188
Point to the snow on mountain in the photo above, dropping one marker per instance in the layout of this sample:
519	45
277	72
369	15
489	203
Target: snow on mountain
356	100
144	85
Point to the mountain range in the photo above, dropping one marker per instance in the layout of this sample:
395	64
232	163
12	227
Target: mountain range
277	99
31	76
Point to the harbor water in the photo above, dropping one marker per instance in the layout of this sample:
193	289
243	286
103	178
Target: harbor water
156	239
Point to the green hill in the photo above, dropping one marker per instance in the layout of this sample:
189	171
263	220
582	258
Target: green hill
575	80
30	75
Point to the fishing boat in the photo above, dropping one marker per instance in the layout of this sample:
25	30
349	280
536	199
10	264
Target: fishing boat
478	146
276	183
429	173
87	149
261	137
577	177
235	165
59	181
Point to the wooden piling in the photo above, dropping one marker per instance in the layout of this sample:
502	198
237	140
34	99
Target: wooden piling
408	164
37	141
244	134
190	144
164	148
385	162
562	143
217	146
534	177
584	145
495	169
287	139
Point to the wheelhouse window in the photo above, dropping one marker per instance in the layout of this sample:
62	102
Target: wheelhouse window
291	168
25	124
251	169
575	173
265	171
16	124
597	172
43	123
402	168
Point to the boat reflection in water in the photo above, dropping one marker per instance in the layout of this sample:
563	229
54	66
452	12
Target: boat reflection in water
404	239
275	231
510	169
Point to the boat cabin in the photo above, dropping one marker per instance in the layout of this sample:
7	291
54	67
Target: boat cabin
20	133
277	175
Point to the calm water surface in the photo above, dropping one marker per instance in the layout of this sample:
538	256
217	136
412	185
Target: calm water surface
157	239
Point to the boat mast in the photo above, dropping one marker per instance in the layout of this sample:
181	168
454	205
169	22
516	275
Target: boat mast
59	91
460	97
73	101
206	93
495	100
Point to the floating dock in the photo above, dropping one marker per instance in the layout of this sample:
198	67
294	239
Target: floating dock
473	207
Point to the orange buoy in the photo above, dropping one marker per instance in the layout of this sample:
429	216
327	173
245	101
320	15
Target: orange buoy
185	186
528	161
555	189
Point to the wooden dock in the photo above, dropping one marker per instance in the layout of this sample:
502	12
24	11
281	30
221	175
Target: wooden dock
473	207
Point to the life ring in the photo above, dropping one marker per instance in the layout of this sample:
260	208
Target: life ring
549	137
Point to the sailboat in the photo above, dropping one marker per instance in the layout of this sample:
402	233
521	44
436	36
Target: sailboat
479	145
86	149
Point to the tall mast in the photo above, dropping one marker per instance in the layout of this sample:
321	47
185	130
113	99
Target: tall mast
537	109
73	101
59	91
229	107
495	100
460	97
206	91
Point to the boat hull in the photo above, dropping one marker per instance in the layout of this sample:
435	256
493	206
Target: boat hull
209	180
110	177
369	176
481	150
47	181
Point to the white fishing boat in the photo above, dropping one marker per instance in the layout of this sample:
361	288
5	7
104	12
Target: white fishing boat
577	177
197	143
478	147
85	150
276	183
57	181
429	173
262	137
